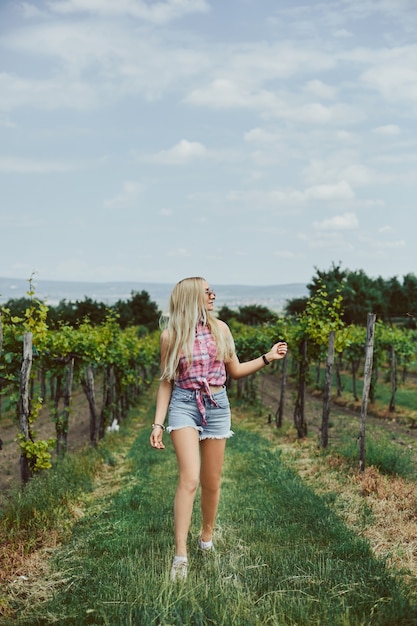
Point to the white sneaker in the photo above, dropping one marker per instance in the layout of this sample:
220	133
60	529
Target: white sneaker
206	546
179	569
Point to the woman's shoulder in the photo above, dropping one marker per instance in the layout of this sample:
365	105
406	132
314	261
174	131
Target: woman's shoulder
223	326
164	336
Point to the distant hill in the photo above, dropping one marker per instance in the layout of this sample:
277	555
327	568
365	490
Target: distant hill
52	292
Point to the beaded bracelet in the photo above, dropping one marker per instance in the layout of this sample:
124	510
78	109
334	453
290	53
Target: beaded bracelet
156	426
265	360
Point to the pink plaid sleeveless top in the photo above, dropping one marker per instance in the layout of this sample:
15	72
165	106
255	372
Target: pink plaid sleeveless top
205	369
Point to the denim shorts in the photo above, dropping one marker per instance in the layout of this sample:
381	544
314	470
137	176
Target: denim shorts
183	412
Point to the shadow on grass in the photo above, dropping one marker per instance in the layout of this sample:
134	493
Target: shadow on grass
282	556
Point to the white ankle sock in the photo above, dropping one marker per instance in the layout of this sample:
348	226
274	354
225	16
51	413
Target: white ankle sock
206	545
180	559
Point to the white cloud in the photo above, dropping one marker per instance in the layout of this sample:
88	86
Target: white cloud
224	94
157	12
342	33
32	166
329	240
388	129
346	136
347	221
389	245
337	191
394	74
320	90
285	198
47	94
285	254
23	221
305	118
7	123
180	154
259	62
290	197
179	252
29	10
317	113
259	135
93	64
397	159
228	94
127	198
338	167
256	175
342	16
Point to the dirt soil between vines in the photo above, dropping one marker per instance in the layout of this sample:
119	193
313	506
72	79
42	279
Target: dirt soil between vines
268	390
78	437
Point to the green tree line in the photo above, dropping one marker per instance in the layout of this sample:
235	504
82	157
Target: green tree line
392	299
138	310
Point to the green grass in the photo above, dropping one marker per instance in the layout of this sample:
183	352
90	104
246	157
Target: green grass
405	396
43	505
282	556
381	453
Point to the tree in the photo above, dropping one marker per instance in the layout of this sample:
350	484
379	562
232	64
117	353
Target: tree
332	280
256	314
226	314
17	307
410	296
296	306
140	310
361	296
397	304
77	312
312	330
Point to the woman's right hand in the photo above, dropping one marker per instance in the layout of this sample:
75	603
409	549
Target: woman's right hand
278	351
156	437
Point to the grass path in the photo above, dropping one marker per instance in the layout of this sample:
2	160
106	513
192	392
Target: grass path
283	557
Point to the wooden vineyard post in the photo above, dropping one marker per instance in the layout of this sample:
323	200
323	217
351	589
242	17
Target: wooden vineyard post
62	418
393	379
24	403
324	437
299	409
370	331
87	383
280	411
1	349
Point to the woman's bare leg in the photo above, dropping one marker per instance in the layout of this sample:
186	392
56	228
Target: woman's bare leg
186	445
212	456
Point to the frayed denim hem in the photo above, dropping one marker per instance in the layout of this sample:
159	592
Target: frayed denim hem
169	429
203	435
208	436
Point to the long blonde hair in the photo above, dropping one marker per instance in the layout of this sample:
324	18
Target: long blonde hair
187	308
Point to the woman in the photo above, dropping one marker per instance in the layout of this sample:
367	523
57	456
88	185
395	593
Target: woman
197	352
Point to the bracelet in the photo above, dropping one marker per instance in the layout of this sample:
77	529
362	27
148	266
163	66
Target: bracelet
158	425
265	360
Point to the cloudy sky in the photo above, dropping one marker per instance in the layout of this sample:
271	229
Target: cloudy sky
248	141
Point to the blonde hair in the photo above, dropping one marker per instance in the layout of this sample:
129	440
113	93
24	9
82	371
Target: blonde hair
187	308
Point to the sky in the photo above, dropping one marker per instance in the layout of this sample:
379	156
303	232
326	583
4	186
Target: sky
246	141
